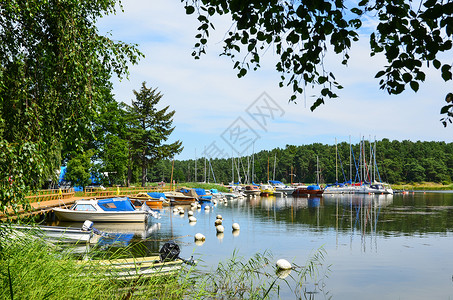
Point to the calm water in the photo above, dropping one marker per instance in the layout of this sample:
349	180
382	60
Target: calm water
378	247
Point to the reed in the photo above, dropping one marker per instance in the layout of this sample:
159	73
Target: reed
31	268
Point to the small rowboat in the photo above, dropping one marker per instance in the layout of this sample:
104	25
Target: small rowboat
153	200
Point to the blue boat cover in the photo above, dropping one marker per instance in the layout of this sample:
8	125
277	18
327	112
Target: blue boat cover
156	195
200	192
214	191
275	182
116	204
205	198
313	187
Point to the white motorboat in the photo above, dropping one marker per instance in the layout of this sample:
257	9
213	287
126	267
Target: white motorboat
105	210
281	187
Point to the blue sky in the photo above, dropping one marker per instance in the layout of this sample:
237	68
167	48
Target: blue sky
221	115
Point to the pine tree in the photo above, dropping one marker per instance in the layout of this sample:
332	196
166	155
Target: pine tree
149	129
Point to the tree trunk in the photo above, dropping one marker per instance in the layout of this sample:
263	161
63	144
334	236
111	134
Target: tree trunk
129	167
143	169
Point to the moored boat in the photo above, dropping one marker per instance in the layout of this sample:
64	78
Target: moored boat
252	190
266	190
308	190
105	210
59	234
152	199
181	197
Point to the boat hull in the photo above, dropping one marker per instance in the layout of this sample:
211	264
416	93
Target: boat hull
96	216
60	234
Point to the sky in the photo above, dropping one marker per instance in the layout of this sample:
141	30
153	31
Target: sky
220	115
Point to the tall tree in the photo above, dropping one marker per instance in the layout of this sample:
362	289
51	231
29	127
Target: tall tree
408	33
150	128
54	67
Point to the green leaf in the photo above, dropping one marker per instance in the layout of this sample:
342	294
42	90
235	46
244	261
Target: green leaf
446	108
190	10
414	85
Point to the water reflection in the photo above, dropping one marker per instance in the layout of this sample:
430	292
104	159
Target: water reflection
372	241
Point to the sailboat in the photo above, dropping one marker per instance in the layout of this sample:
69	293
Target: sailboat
313	189
374	187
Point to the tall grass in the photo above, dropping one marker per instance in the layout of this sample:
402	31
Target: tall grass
31	268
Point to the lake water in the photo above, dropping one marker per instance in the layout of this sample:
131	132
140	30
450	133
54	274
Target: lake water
377	246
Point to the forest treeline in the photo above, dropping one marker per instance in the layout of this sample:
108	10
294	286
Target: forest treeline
397	161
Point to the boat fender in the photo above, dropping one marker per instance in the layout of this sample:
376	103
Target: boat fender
236	226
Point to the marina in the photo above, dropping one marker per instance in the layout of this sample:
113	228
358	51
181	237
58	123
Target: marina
370	241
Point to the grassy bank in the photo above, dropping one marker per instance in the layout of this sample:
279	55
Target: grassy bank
31	268
423	186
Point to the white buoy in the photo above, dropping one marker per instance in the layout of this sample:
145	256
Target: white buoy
190	213
198	205
219	217
236	226
199	237
192	219
220	228
175	210
207	207
193	204
181	212
283	264
220	235
282	274
218	222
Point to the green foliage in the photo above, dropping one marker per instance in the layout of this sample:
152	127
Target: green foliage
54	69
396	161
79	169
302	32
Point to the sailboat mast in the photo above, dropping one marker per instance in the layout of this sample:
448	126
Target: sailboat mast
336	161
268	168
317	170
350	159
275	160
195	164
204	165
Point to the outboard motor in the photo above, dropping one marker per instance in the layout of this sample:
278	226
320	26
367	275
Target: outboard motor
87	225
169	251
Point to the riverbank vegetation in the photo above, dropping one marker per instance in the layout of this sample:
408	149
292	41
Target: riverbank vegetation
397	163
31	268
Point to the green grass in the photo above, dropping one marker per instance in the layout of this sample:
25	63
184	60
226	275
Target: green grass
423	186
206	186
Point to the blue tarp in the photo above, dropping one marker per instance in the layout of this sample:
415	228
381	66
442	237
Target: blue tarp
214	191
156	195
313	187
116	204
200	192
275	182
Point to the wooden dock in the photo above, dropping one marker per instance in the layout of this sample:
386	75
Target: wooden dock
43	201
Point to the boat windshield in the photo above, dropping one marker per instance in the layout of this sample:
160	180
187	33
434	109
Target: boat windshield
84	207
